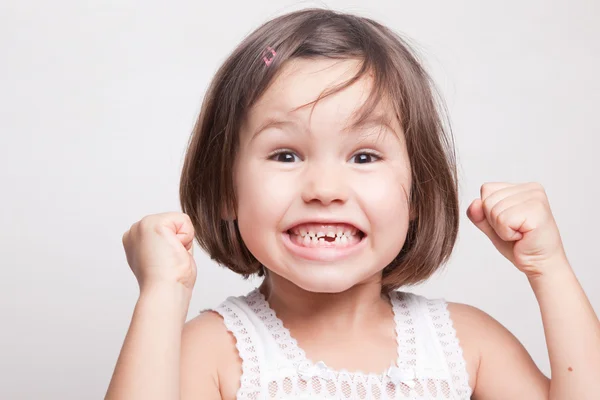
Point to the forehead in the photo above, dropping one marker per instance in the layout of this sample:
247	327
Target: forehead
301	81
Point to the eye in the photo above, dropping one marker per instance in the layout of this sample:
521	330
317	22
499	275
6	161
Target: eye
285	156
365	157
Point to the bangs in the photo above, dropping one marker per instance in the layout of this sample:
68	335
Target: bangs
379	95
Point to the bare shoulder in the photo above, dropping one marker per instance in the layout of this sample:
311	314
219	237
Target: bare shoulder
495	357
209	359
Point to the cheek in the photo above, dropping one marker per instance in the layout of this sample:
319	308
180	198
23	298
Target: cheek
262	197
387	192
262	202
384	197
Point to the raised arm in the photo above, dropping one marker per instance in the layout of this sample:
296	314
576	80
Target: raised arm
148	365
159	252
520	224
572	334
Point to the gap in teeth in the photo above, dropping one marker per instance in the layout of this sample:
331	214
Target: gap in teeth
337	234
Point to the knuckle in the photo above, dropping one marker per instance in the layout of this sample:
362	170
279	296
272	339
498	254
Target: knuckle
487	206
146	222
540	195
537	186
494	216
502	218
495	213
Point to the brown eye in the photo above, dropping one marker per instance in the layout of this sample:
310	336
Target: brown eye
365	158
284	156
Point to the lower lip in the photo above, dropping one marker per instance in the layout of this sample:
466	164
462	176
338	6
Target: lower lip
322	253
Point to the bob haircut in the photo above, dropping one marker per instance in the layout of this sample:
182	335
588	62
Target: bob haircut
207	192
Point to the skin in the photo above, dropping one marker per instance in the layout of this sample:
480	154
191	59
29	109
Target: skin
339	301
322	179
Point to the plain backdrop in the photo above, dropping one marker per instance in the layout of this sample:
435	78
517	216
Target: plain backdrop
97	101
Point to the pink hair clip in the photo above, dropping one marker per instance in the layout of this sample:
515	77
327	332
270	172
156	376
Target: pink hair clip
268	58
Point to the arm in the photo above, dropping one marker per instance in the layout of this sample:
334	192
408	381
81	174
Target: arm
499	367
209	359
518	220
148	365
159	250
572	334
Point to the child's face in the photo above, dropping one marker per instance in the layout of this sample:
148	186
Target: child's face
324	179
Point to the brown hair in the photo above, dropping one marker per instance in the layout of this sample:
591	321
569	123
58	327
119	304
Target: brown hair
206	187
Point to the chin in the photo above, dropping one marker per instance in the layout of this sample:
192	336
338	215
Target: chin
320	279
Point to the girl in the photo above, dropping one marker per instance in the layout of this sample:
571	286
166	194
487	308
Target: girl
320	162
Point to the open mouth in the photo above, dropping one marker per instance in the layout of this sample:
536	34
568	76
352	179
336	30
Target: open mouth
325	235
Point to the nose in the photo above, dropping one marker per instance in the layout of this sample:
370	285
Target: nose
324	184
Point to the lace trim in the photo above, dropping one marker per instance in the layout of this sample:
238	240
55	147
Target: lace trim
250	379
446	333
405	331
304	378
288	345
406	350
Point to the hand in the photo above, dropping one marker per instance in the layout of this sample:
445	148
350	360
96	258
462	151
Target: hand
519	222
159	250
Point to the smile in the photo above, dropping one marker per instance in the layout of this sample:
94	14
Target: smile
324	242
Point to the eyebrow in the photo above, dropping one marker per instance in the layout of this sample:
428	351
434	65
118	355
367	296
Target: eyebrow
376	119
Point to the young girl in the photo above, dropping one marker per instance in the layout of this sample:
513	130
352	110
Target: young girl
320	162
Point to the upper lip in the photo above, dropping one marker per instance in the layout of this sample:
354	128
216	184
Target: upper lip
324	221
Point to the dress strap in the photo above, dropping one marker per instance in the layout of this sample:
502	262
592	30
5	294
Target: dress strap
239	320
428	342
448	344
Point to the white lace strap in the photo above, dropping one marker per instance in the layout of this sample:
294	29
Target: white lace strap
238	321
448	345
428	357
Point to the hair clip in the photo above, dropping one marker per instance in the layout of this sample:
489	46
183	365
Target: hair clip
268	58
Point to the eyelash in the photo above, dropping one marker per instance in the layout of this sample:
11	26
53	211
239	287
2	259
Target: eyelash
374	154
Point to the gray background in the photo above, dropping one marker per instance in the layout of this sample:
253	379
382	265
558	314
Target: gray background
97	100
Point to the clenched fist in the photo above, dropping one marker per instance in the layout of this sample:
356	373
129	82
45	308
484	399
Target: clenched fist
159	250
518	220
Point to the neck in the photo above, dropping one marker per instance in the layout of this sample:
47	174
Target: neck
345	309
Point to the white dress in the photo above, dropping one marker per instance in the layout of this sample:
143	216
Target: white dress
430	363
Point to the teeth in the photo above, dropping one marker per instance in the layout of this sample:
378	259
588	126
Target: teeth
313	235
330	234
306	240
319	241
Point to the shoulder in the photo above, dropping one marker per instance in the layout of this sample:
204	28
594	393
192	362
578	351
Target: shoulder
206	332
209	358
494	356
